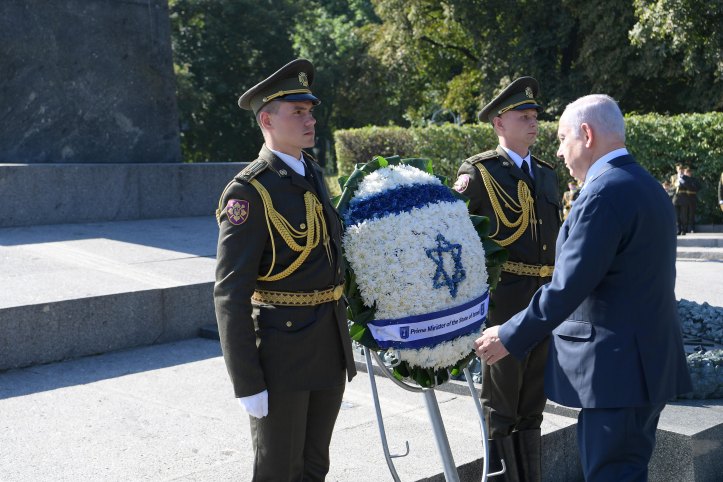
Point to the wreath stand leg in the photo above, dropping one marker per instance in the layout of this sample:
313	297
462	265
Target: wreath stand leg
483	427
440	435
380	420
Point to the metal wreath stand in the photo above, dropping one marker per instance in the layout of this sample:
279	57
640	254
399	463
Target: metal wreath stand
440	435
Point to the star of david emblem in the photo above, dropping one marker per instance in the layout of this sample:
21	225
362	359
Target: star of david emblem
441	277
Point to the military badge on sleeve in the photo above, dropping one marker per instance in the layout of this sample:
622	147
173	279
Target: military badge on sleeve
460	185
237	211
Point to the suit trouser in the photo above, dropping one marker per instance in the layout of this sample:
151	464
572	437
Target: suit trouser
513	392
617	443
292	442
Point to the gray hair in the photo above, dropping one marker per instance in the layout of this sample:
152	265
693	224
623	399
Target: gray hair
600	112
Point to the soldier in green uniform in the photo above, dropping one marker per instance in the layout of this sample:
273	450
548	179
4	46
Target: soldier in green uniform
685	200
279	278
520	195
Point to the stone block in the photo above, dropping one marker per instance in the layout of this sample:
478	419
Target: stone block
35	194
48	332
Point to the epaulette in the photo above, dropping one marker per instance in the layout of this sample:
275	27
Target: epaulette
482	157
543	163
252	170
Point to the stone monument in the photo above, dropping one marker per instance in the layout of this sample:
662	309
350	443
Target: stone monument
87	81
88	119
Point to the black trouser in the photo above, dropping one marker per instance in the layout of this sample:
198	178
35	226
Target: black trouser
292	442
513	392
686	215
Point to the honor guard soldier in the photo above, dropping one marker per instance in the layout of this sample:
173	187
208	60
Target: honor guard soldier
685	199
520	195
278	293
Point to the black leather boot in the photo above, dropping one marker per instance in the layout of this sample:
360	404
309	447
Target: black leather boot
503	448
528	450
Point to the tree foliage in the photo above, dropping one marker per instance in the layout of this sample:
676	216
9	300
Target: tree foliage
688	32
220	50
381	62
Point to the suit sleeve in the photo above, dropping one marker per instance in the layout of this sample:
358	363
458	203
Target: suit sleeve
584	259
239	253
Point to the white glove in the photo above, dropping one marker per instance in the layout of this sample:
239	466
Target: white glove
256	405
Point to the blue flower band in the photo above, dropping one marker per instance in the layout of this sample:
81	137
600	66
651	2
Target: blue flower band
395	201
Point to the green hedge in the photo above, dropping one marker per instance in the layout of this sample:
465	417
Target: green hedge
658	143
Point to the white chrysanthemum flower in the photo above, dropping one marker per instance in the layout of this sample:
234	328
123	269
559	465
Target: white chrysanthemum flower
391	177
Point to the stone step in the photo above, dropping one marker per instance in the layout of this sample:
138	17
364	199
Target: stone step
71	290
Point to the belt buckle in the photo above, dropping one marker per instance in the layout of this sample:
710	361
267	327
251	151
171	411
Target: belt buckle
545	271
338	292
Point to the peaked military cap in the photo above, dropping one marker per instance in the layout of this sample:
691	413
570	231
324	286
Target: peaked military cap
519	95
291	82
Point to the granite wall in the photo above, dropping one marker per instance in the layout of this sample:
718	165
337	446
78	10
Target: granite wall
87	81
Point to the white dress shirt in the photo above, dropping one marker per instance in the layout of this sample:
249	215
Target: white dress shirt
296	164
518	160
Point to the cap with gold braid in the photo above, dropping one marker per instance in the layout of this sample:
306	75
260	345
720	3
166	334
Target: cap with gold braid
291	82
519	95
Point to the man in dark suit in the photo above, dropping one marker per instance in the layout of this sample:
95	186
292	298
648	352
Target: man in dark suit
519	194
616	348
279	279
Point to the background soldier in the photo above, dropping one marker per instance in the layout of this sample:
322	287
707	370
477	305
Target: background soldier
278	286
520	195
573	190
685	200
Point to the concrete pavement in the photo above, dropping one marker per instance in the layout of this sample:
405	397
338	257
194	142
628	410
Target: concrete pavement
165	412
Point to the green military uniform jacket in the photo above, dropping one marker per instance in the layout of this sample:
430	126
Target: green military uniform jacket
265	346
514	292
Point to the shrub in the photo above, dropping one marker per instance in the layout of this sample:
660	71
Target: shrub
658	142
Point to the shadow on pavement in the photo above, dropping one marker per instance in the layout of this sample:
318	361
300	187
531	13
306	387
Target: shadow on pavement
40	378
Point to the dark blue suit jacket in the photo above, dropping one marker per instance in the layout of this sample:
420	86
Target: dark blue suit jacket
610	306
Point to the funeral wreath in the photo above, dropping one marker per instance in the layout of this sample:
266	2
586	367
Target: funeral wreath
419	268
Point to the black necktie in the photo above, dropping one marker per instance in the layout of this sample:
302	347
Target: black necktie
526	168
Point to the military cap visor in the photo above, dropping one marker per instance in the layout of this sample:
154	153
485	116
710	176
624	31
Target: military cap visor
519	95
291	82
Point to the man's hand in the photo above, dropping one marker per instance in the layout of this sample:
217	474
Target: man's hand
489	347
256	405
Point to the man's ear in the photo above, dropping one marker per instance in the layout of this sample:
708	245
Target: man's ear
588	133
497	123
265	120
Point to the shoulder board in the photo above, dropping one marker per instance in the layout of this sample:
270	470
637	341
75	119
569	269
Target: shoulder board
482	157
543	163
252	170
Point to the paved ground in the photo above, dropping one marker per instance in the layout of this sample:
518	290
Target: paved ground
166	412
